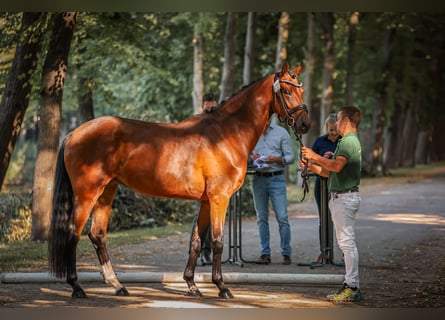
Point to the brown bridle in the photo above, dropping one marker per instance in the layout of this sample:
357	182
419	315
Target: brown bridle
290	121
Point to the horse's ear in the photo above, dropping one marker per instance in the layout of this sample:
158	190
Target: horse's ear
285	67
298	69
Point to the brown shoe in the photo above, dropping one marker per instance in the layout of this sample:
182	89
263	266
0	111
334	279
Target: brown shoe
286	260
263	259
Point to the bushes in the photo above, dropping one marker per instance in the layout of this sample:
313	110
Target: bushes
130	210
15	217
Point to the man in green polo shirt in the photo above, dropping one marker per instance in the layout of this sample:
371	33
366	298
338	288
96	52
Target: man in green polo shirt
343	173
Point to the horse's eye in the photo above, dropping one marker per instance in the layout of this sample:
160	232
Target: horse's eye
286	91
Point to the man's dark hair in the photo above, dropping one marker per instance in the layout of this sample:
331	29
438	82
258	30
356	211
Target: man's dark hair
208	97
352	113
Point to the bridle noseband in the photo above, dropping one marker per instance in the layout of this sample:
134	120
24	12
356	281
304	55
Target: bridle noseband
290	121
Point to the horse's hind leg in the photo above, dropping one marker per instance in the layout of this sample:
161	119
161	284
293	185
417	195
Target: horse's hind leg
201	227
98	236
81	215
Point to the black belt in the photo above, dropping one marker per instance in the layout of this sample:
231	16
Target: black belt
269	174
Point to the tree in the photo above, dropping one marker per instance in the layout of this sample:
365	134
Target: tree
327	97
283	36
53	77
229	56
85	96
382	105
249	48
309	67
16	96
198	82
350	69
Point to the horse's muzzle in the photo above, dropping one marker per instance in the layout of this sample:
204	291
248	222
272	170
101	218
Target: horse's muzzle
303	124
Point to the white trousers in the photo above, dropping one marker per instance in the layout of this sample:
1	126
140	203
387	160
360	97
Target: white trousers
344	208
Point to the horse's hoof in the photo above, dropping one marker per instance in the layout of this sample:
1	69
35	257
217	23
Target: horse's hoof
194	293
79	293
225	294
122	292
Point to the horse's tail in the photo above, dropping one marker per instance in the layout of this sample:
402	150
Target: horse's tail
61	218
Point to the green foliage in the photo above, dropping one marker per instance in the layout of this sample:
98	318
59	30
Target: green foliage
132	209
15	217
21	167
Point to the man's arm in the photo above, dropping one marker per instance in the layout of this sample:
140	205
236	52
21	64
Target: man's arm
325	164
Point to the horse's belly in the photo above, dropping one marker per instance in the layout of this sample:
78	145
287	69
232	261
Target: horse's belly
165	186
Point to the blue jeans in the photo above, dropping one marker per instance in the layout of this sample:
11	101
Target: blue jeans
273	188
344	208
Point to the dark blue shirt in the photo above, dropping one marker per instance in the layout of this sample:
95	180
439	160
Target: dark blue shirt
322	145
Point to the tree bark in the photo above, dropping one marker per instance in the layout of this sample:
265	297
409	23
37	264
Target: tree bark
410	130
85	100
249	48
352	39
16	95
327	98
380	112
283	36
393	149
423	146
198	82
309	68
229	56
53	77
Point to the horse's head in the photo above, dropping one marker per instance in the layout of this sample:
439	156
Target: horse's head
288	103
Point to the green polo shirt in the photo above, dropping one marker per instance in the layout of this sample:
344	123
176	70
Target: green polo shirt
348	178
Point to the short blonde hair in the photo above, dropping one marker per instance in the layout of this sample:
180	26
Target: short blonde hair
330	120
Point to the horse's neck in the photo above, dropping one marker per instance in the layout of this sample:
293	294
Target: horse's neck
250	110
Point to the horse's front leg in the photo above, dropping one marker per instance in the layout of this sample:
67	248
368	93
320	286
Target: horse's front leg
218	216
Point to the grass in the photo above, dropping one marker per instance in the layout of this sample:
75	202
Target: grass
28	255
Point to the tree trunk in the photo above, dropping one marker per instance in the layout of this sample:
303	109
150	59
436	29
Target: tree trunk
411	129
327	98
352	37
229	56
437	150
16	95
309	67
53	76
85	100
423	147
249	48
198	82
283	36
393	149
380	112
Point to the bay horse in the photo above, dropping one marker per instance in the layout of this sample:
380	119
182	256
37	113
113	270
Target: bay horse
201	158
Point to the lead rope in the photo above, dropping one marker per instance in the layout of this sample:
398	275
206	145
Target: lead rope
304	171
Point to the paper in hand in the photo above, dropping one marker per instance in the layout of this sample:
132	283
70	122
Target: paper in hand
261	162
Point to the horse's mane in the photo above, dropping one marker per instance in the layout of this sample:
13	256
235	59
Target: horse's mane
245	87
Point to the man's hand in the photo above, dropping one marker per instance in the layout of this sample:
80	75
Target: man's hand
308	154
